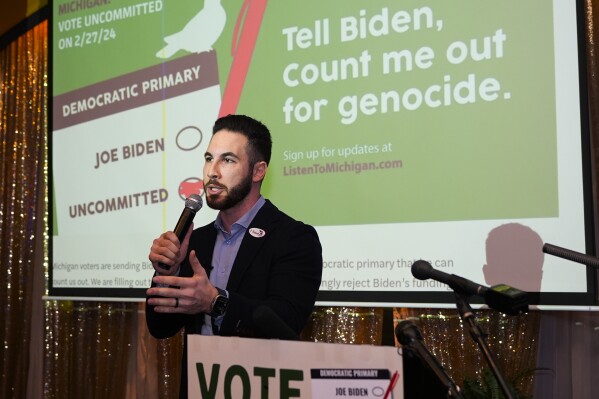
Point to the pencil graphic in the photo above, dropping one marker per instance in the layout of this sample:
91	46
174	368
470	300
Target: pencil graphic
245	36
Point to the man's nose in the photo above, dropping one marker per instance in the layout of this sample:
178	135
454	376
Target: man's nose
212	170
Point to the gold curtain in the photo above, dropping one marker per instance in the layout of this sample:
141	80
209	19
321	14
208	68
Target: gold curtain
72	349
23	199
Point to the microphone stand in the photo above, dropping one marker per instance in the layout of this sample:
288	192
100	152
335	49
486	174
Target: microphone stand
478	335
412	340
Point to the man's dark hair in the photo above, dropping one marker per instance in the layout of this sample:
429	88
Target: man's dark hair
258	135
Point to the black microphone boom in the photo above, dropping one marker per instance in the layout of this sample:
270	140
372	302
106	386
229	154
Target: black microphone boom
571	255
500	297
193	203
408	334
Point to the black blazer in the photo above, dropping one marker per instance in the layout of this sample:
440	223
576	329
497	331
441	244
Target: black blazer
281	270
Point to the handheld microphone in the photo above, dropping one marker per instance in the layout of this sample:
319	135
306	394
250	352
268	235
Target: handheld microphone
193	203
500	297
408	334
271	325
570	255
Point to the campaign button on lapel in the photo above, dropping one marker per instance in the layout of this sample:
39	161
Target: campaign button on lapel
256	232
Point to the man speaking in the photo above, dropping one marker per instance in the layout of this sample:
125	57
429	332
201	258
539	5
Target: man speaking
252	256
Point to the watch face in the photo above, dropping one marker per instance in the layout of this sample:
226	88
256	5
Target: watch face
220	305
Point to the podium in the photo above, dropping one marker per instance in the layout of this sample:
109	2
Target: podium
233	367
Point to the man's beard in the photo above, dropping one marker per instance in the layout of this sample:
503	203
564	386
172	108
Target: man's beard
231	196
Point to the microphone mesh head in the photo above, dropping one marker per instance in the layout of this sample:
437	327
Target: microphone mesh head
194	202
421	270
406	332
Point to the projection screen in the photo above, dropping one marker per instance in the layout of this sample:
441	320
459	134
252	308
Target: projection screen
449	131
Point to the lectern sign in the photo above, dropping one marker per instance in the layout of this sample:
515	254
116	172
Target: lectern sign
231	367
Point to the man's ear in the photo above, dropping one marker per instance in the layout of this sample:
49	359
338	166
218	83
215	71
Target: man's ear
259	171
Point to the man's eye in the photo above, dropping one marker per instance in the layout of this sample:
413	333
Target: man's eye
229	160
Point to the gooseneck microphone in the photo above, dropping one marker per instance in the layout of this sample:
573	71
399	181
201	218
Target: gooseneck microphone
570	255
500	297
193	203
408	334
